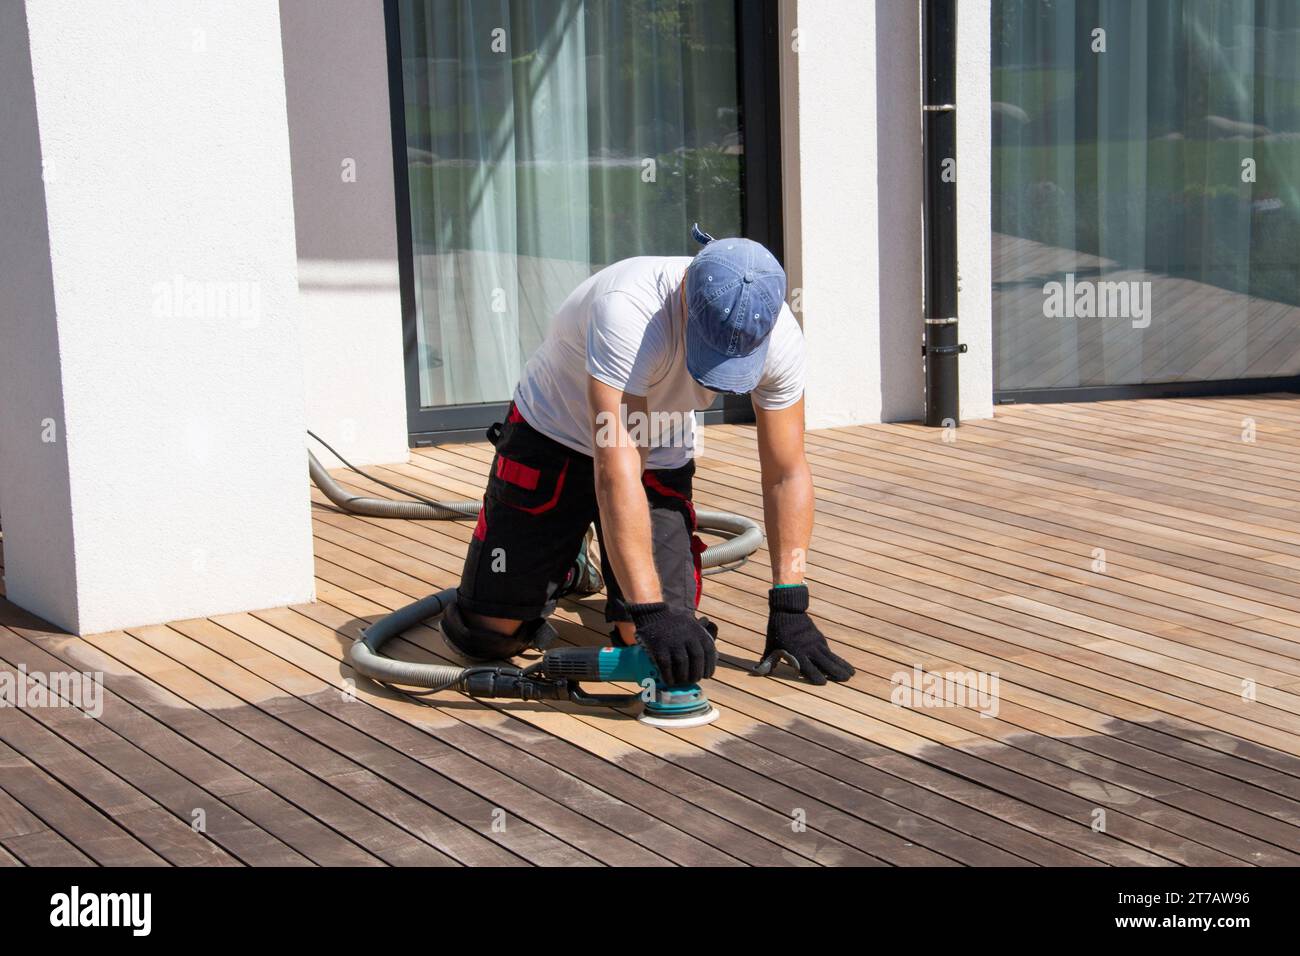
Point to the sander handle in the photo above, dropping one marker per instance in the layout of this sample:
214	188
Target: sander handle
629	663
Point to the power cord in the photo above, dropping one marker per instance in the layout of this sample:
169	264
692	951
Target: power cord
379	481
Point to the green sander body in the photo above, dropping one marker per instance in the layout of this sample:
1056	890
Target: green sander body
561	671
558	675
683	705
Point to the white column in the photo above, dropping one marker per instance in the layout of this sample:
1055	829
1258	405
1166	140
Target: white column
975	205
152	461
853	179
829	176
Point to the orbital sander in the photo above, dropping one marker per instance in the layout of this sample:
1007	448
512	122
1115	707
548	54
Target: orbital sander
560	672
557	676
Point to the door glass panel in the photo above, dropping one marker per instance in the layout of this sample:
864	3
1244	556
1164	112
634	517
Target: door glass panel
1146	213
545	140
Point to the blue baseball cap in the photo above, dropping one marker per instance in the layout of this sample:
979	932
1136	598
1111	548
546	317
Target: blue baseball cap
734	292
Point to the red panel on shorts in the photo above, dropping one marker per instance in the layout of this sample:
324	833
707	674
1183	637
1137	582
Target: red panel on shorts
517	474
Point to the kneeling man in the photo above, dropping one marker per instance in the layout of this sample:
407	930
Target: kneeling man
646	340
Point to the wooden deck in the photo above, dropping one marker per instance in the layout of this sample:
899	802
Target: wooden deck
1122	734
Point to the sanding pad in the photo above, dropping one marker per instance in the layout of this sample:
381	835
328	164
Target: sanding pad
691	720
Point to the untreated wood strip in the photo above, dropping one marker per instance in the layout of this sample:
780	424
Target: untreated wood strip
992	611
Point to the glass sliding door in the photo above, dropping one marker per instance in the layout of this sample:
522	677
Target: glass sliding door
1146	194
545	139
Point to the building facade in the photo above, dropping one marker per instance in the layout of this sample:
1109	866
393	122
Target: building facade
226	224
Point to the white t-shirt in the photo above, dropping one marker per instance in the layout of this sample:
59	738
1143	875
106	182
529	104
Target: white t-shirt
626	327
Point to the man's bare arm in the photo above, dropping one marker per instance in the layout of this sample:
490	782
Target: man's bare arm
624	508
787	491
788	509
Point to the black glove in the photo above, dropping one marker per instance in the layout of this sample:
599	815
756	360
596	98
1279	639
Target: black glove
792	635
678	644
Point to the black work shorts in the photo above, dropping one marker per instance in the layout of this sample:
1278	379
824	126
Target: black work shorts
540	500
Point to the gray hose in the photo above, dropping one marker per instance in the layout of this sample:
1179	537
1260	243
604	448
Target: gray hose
367	659
743	538
386	507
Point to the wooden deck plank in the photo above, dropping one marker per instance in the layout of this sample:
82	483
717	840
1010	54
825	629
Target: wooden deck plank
943	611
564	804
1058	584
406	829
1120	691
222	822
30	841
1286	718
91	829
165	831
584	784
1056	740
284	824
654	764
1061	602
335	818
401	598
404	760
1001	526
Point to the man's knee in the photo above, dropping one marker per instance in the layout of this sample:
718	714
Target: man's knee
502	625
482	638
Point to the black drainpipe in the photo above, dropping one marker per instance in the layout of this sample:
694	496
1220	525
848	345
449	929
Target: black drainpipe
939	113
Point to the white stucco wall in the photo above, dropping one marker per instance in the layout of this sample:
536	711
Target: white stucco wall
975	205
163	133
336	80
830	173
35	497
352	320
853	180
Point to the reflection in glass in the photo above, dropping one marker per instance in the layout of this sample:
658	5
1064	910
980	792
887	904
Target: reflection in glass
1145	149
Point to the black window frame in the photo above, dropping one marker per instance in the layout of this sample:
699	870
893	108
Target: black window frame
758	56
